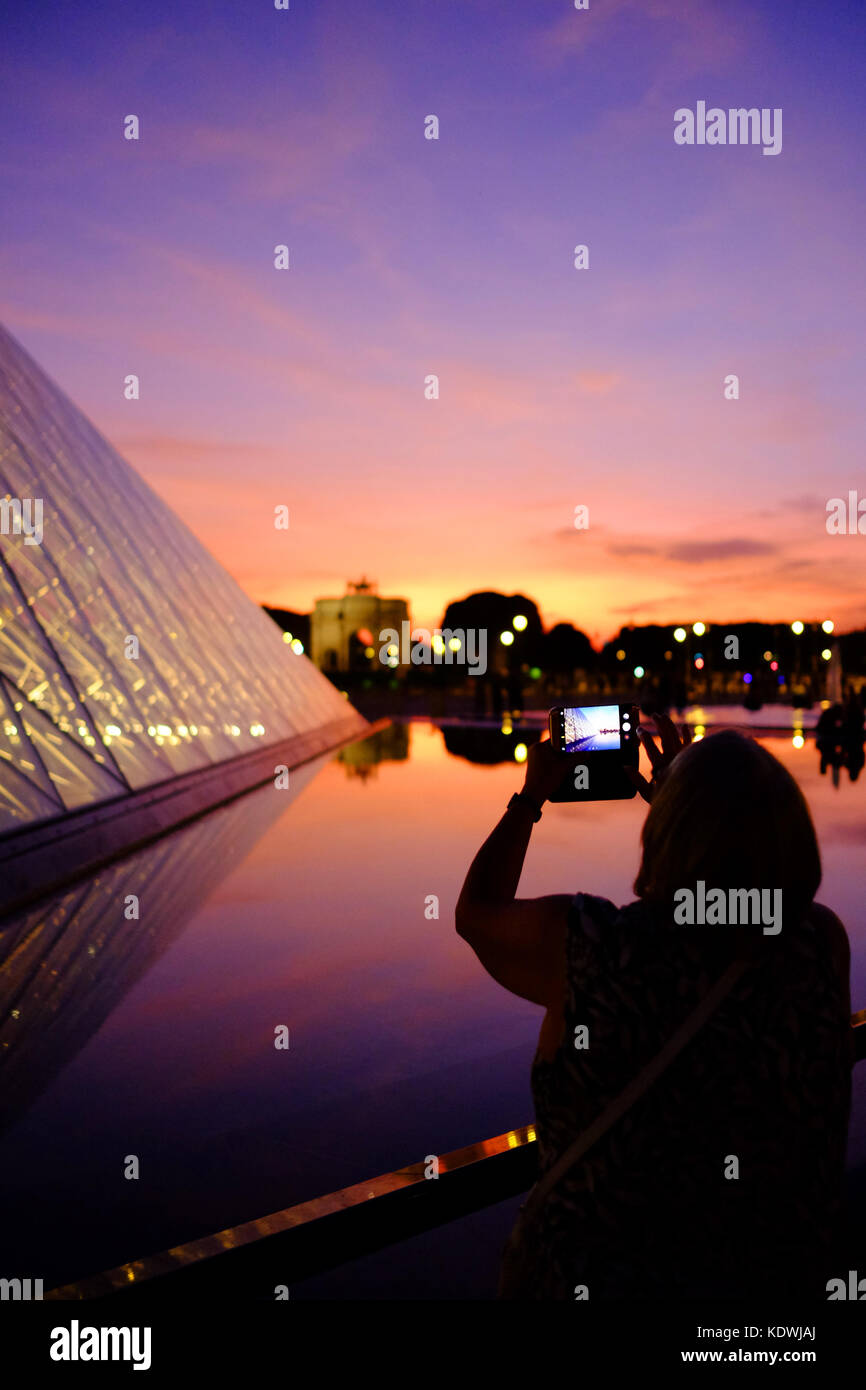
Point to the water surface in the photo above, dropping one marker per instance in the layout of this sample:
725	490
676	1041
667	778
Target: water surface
314	910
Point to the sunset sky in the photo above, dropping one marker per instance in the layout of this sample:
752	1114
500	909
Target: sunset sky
409	256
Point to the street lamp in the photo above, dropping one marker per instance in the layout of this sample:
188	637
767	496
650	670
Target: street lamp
828	625
699	629
797	628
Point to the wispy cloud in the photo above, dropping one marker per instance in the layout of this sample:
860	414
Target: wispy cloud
710	552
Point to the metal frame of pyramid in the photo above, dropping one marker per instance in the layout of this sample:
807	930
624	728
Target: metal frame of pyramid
128	656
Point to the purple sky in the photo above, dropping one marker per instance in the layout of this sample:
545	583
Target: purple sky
558	387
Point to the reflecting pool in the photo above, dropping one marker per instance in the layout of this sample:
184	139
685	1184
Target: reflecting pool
153	1036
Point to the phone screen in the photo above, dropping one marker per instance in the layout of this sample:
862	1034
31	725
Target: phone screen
590	729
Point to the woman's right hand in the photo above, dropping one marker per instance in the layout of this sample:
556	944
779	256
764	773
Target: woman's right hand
545	770
672	743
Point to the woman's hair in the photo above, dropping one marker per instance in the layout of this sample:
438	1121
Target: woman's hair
729	813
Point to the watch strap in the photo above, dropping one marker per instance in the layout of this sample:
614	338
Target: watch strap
527	800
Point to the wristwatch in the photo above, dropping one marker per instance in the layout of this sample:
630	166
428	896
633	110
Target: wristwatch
525	797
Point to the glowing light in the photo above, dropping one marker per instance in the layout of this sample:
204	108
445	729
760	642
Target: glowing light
699	663
620	656
519	623
826	653
506	638
639	671
520	751
768	656
298	647
798	740
114	730
747	678
535	672
455	644
365	636
393	651
507	726
287	637
369	651
698	733
679	634
438	643
774	665
392	661
797	628
699	629
163	729
828	625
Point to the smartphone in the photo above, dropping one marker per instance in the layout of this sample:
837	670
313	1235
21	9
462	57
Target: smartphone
596	744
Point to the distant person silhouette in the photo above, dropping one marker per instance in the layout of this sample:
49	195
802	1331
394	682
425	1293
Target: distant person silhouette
724	1179
839	738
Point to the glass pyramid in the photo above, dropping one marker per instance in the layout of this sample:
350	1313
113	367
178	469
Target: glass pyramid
81	717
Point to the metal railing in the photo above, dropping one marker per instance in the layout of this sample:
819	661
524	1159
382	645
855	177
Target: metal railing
315	1236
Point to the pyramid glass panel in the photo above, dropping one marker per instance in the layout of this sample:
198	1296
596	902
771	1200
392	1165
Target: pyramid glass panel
17	751
116	624
21	801
28	660
77	777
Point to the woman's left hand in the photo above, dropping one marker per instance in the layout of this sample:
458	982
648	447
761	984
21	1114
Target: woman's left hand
672	743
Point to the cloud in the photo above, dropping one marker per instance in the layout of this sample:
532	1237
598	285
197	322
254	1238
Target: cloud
670	602
706	552
628	548
696	33
694	552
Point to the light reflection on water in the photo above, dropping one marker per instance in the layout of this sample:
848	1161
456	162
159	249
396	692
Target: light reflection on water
308	912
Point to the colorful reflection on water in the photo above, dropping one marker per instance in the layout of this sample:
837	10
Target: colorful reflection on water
155	1037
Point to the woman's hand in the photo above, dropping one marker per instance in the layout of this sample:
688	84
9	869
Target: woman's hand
545	771
672	743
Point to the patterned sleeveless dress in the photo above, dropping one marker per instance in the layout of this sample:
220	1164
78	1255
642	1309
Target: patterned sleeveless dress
655	1210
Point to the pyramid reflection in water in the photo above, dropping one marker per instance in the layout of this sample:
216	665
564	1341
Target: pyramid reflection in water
66	963
80	718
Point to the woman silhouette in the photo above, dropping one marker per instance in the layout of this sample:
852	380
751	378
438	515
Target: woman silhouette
724	1178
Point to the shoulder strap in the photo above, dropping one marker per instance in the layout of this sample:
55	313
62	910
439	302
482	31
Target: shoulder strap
638	1086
